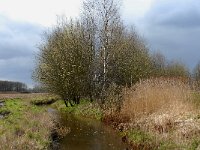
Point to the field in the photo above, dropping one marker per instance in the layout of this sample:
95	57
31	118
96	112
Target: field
26	126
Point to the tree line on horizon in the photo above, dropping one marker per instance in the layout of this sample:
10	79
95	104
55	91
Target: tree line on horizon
11	86
86	56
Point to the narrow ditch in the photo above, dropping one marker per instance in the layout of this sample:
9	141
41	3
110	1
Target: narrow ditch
3	112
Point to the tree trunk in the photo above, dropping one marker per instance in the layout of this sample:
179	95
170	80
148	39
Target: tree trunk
65	100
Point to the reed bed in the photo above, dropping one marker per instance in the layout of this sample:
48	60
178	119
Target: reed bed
164	109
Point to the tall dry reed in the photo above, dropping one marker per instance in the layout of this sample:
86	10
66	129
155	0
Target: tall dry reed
149	96
164	109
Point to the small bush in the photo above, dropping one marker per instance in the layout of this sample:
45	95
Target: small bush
113	100
44	101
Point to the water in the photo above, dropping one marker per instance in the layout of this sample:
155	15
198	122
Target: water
3	113
89	134
2	103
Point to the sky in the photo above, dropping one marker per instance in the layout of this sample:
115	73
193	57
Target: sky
169	26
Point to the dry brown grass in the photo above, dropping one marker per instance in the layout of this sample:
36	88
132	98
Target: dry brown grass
28	126
33	132
164	109
21	95
152	95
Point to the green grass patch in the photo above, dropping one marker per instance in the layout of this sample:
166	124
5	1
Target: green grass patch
196	98
166	145
23	121
137	136
194	144
44	100
143	140
85	108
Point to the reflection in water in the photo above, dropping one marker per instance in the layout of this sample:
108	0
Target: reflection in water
88	134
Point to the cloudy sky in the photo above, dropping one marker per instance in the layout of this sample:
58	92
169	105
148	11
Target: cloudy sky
169	26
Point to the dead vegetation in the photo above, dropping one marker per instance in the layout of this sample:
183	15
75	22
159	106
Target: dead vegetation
22	96
162	110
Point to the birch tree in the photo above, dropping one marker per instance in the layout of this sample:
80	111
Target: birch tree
103	17
120	54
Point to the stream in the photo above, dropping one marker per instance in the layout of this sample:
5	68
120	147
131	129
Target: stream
89	134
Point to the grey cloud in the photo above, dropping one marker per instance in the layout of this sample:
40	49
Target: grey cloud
17	69
173	27
177	13
17	39
18	42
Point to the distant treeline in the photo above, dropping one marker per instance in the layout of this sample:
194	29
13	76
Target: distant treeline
11	86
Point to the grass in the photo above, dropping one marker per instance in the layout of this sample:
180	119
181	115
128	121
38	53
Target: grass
26	127
151	96
196	99
47	100
166	110
84	109
138	136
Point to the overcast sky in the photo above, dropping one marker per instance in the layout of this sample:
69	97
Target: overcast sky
169	26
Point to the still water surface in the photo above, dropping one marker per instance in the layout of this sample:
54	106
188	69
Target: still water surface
89	134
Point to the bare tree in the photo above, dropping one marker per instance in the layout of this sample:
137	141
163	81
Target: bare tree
196	75
83	58
102	17
176	69
131	58
159	64
64	60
